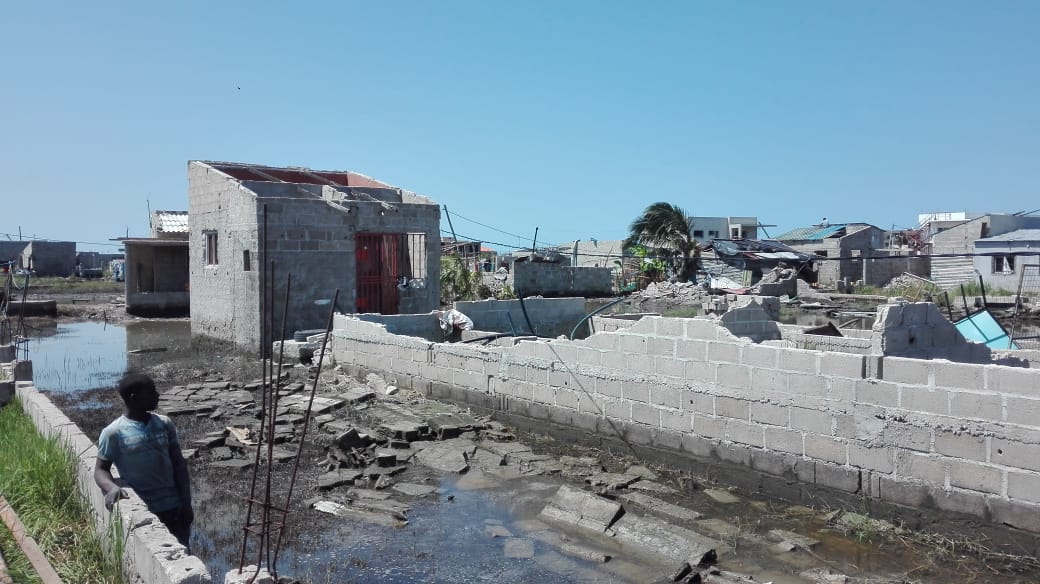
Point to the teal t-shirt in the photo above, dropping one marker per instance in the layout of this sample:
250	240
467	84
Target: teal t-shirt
141	452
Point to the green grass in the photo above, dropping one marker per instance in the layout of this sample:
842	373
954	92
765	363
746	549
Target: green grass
72	284
37	479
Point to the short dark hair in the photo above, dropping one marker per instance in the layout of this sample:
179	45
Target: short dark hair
132	383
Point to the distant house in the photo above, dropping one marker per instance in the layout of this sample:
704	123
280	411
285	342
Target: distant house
952	243
156	267
850	242
252	226
1005	257
708	229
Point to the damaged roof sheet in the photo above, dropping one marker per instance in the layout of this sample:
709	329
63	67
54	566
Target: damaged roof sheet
813	233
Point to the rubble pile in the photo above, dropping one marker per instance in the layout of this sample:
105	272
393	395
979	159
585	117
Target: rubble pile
683	292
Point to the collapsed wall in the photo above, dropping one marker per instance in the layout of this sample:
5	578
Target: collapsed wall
897	433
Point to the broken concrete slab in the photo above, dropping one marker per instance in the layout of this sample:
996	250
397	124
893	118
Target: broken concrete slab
414	490
497	531
582	508
368	494
445	457
338	478
341	510
451	425
356	395
520	548
611	480
321	405
235	463
660	508
719	527
486	459
476	479
506	448
652	487
586	553
641	472
795	539
660	537
722	496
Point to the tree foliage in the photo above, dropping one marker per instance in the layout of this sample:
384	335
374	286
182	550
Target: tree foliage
668	228
458	282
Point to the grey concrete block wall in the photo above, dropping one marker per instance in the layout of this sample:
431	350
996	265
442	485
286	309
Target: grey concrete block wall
307	236
908	432
150	553
549	317
551	279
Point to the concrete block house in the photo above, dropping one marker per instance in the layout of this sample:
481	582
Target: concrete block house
156	268
253	226
852	242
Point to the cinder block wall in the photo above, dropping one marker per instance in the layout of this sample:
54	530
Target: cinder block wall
900	431
549	317
549	279
150	553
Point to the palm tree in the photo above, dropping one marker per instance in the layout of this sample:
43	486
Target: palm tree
669	228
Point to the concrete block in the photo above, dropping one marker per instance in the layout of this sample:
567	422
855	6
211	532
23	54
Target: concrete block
709	426
587	356
1012	380
958	501
702	403
961	445
880	459
842	390
745	433
907	371
922	399
636	390
907	437
646	414
769	413
809	420
701	371
1021	410
670	367
838	477
603	341
769	380
670	327
724	352
662	347
1017	514
701	328
759	356
698	446
843	365
733	376
1015	454
567	399
730	407
801	384
976	406
692	349
826	448
801	360
677	420
665	395
784	440
608	387
640	364
249	575
1023	486
904	493
618	409
632	343
960	375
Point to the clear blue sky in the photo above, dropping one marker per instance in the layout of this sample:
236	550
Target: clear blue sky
567	116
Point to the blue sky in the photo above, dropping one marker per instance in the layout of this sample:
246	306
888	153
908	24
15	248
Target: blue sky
566	116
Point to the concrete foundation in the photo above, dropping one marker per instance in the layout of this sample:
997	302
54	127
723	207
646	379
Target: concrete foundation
846	424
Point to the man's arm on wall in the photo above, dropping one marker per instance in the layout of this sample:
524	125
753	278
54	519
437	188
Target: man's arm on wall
107	483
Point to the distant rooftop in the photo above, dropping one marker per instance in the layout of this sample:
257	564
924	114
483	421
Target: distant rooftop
1018	235
170	221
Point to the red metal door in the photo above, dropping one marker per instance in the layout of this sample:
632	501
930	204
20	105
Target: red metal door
376	257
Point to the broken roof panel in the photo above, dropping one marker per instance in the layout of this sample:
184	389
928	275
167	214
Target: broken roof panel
296	175
1017	235
813	233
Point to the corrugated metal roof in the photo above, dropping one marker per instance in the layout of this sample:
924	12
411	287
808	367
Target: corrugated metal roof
1018	235
171	221
810	233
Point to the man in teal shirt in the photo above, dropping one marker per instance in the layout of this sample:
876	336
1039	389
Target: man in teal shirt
145	449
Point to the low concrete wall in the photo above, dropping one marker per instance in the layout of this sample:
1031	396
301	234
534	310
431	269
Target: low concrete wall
150	553
550	317
549	279
890	432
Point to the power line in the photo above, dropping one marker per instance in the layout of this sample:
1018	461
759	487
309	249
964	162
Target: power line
48	240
